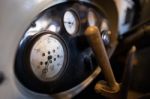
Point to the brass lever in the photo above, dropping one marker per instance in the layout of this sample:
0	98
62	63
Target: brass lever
109	86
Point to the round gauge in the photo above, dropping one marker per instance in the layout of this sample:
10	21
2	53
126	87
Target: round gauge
47	57
71	22
92	18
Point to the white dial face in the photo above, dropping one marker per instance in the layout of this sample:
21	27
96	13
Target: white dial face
47	58
71	22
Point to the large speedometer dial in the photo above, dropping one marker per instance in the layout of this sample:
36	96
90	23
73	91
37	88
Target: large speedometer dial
47	57
71	22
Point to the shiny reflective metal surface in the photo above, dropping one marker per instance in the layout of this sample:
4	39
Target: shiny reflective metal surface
76	90
106	37
16	15
68	94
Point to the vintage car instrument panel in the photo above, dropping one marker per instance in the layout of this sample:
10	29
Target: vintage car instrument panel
53	54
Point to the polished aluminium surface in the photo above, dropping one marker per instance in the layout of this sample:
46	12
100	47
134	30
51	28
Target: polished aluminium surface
62	95
16	15
74	91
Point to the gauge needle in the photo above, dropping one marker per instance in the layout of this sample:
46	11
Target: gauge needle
52	66
71	23
45	70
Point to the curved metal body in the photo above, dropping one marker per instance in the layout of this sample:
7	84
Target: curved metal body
16	15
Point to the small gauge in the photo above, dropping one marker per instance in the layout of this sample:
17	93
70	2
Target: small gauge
47	57
92	18
71	22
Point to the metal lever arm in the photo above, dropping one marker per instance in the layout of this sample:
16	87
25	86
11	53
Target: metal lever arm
94	38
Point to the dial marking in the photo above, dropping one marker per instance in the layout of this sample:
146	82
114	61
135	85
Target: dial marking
71	22
47	63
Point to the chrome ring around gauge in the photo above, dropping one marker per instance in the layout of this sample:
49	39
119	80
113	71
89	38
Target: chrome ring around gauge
71	22
47	57
105	32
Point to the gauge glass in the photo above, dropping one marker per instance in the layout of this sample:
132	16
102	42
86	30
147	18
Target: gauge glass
47	57
92	18
71	22
104	25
